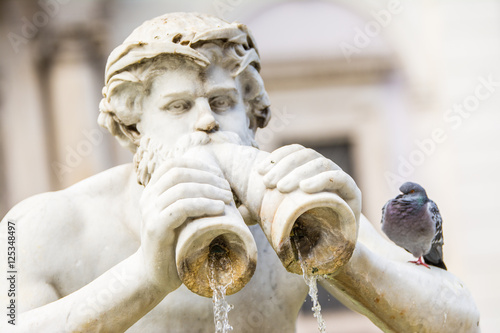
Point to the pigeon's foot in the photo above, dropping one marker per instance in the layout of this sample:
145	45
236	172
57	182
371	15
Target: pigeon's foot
420	262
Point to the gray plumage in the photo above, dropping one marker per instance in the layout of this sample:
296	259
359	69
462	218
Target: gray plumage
412	221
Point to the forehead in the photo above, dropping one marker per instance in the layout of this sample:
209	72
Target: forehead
189	77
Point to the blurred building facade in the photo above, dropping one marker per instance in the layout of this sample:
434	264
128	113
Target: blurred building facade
390	90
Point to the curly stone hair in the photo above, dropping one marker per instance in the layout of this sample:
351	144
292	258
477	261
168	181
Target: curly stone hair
171	41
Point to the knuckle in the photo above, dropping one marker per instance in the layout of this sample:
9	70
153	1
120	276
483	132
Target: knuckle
205	190
324	163
175	213
175	206
311	152
150	230
181	190
341	174
214	170
333	165
175	172
297	146
163	169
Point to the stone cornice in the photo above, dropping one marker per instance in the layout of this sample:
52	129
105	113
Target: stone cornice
309	73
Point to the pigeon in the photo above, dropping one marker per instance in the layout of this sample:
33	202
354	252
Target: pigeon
413	222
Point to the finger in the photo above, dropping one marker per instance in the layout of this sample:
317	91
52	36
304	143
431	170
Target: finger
177	213
338	182
192	190
267	164
291	181
190	163
179	175
355	205
334	181
287	164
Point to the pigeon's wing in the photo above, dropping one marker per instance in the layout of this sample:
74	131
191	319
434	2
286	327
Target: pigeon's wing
435	255
382	220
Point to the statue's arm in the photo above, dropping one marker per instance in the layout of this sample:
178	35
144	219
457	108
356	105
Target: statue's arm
398	296
111	303
101	306
377	281
178	191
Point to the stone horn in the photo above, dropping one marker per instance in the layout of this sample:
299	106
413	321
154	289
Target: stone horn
219	249
319	230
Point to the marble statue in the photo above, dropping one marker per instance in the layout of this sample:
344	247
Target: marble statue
126	249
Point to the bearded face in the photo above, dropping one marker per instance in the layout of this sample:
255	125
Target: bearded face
187	107
128	90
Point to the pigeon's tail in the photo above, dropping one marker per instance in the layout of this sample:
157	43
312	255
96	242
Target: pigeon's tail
438	263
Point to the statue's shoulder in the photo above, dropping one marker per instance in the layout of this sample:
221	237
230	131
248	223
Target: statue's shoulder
51	225
70	205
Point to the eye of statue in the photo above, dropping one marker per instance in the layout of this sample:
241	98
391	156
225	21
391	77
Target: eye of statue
221	103
177	107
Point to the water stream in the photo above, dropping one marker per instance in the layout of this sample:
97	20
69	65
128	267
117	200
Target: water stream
312	283
220	268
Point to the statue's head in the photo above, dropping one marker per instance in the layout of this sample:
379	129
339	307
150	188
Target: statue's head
195	49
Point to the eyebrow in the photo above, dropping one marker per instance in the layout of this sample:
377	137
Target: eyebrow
177	93
214	91
222	90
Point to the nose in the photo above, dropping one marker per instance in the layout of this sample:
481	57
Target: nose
205	119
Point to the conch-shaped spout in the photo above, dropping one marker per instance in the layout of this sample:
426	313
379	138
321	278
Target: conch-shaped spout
319	230
218	250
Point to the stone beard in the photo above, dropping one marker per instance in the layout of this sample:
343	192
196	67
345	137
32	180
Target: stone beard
151	153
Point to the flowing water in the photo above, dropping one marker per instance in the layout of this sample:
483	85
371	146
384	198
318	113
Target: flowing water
312	283
220	265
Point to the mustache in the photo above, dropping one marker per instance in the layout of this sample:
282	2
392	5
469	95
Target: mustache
151	153
194	139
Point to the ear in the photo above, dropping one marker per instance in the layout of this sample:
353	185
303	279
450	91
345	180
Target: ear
121	110
255	96
126	102
127	136
262	117
250	83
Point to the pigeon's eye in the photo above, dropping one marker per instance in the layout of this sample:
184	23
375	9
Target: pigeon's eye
412	191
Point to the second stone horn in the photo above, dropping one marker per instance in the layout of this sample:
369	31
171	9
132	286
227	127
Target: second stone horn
318	230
